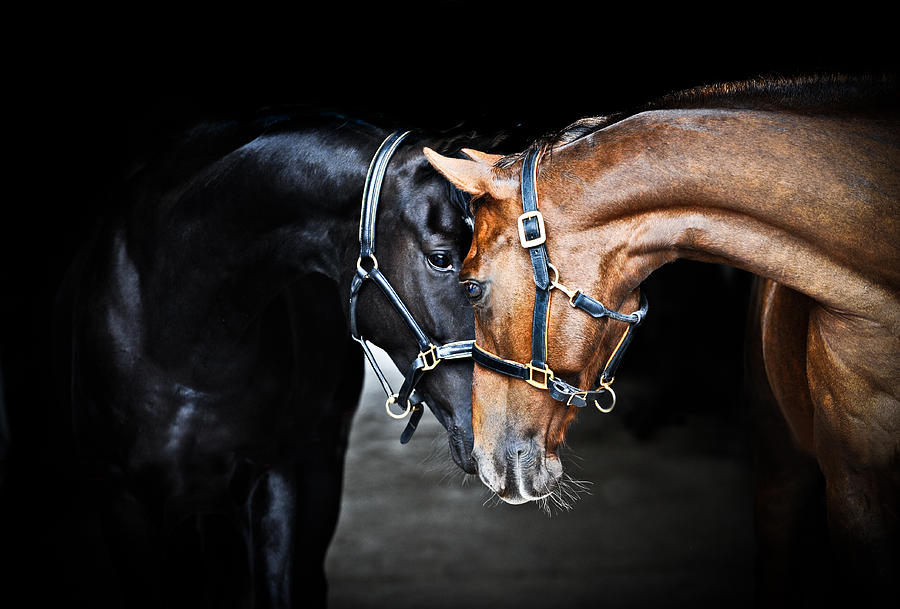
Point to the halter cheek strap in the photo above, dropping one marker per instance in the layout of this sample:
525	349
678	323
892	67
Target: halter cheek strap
430	355
533	236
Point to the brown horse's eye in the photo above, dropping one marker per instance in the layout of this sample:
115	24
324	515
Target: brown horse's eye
440	261
473	290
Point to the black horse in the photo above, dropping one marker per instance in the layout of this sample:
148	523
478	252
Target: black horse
208	359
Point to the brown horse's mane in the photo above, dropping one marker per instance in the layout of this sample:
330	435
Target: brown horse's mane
822	94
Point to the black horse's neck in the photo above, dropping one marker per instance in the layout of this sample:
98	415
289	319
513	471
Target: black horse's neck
205	256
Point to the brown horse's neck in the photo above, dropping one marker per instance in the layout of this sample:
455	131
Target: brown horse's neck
805	201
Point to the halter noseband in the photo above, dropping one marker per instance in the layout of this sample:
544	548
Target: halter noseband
532	235
430	355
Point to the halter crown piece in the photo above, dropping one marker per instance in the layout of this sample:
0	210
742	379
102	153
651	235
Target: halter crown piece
430	355
532	236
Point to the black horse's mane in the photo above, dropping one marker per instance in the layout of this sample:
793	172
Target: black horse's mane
823	94
182	150
201	140
185	146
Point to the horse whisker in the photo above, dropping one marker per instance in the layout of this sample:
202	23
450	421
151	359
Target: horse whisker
568	491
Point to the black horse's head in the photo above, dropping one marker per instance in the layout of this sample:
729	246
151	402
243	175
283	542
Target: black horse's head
423	232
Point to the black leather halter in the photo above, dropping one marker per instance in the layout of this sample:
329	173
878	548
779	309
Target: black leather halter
532	236
430	355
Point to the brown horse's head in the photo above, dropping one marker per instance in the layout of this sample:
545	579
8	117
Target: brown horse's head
518	427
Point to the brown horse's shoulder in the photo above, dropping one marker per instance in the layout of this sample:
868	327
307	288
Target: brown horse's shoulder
854	374
781	316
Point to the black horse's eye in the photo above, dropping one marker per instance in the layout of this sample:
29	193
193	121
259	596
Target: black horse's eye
440	261
473	290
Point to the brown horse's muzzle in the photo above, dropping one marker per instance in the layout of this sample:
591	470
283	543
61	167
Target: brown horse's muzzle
518	469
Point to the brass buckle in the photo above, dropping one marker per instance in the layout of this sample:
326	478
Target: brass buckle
432	351
521	222
583	395
548	374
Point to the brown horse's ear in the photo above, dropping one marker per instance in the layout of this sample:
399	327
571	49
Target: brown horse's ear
474	177
484	157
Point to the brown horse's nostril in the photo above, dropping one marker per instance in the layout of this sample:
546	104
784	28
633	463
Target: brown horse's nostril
523	453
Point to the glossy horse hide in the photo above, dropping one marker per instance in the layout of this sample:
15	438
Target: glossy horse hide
796	181
211	374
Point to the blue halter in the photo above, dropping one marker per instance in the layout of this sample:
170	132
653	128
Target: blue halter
532	236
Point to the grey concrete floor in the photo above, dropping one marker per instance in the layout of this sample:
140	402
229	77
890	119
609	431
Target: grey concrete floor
665	522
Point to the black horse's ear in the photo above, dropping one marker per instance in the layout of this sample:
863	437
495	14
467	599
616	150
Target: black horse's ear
477	178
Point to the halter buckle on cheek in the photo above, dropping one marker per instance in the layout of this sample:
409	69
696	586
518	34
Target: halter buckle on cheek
542	234
432	354
548	374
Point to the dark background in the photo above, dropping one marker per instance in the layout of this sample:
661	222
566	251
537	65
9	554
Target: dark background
86	92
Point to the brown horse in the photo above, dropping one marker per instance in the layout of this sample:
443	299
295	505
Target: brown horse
796	181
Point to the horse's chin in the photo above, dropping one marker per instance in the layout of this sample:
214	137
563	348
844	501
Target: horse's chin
460	452
518	499
459	439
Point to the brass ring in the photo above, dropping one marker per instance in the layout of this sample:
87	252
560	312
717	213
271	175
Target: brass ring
611	406
555	281
392	400
361	269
